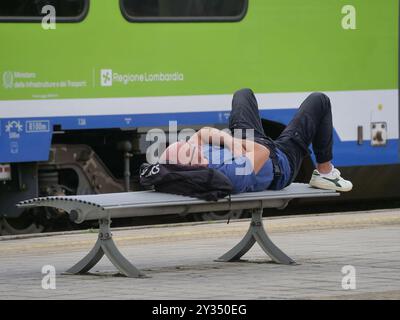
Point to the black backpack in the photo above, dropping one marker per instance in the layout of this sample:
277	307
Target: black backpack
194	181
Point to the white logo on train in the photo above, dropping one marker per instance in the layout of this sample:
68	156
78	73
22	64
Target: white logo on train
14	128
8	80
106	77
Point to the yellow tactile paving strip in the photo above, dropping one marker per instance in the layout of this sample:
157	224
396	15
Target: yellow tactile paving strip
169	233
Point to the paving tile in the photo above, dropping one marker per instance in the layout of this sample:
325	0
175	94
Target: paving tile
182	266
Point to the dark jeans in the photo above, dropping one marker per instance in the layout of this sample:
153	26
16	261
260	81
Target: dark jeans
311	124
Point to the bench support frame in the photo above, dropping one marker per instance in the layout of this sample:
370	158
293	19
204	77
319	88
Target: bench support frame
256	233
105	246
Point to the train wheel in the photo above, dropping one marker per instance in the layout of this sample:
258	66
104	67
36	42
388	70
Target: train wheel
22	225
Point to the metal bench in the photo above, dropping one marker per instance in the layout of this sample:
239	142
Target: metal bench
104	207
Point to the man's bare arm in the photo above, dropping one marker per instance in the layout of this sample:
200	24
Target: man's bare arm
256	153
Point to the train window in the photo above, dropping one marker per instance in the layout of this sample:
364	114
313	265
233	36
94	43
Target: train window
183	10
31	10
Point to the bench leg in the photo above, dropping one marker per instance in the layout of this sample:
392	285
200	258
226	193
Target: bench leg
88	262
240	249
119	261
105	246
256	233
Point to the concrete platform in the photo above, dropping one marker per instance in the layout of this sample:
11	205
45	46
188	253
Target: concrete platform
179	261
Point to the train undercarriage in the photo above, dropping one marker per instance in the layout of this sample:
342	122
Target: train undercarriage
105	161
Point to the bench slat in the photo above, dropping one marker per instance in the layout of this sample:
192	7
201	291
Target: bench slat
152	198
147	203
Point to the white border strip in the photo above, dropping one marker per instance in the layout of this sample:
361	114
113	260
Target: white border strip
350	108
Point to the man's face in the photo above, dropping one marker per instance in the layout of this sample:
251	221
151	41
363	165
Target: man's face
184	153
196	155
190	154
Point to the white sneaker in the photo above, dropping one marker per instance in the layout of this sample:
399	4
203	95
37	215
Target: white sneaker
333	181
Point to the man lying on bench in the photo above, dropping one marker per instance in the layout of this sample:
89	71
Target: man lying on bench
255	162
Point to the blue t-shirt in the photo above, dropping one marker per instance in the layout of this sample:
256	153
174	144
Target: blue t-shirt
239	169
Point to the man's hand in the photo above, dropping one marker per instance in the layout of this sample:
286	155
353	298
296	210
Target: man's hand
255	152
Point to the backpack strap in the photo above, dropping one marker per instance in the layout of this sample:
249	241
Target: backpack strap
230	208
210	176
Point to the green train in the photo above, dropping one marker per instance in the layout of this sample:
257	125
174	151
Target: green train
82	82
